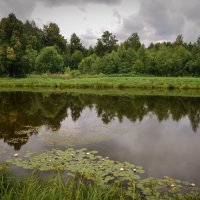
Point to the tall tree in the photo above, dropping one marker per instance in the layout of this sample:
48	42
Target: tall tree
52	37
76	58
106	44
179	40
133	42
75	44
11	42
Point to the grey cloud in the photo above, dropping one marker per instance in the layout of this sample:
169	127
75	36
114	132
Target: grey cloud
78	2
160	15
117	15
24	8
159	20
88	38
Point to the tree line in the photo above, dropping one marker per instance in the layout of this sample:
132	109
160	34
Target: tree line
26	49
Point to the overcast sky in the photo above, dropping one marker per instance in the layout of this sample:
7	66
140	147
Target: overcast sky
154	20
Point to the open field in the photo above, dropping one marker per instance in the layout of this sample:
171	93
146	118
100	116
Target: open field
104	82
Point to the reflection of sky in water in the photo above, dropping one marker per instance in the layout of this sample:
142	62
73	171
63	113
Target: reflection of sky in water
162	148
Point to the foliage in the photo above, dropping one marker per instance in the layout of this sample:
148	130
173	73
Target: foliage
108	64
88	65
106	44
85	162
21	42
49	60
106	173
76	59
133	42
34	187
28	60
52	37
75	44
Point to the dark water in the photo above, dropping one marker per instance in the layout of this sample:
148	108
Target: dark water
160	133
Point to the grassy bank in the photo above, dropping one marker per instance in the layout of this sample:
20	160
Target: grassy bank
131	92
104	82
34	187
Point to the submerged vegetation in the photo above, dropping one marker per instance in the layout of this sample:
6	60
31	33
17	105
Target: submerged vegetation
89	176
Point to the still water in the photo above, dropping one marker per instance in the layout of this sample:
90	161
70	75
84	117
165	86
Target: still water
160	133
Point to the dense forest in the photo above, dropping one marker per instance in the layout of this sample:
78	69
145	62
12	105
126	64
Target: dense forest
26	49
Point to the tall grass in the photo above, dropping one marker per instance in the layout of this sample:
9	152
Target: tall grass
104	82
54	188
35	187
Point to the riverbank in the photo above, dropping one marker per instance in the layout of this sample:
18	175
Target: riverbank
34	187
181	83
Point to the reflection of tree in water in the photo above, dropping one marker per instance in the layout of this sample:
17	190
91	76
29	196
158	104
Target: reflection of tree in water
19	110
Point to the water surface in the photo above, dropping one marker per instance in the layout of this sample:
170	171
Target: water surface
161	133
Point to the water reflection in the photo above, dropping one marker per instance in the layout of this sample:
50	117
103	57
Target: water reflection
22	112
160	133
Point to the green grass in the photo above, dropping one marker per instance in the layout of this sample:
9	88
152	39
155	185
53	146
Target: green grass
34	187
103	82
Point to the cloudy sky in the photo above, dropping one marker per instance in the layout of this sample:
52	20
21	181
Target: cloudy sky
154	20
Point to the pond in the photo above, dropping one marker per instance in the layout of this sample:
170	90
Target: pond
160	133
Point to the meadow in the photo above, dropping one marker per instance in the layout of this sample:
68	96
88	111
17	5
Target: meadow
103	82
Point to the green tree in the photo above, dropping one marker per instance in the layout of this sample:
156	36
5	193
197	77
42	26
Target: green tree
127	58
139	67
179	40
33	36
75	44
180	57
163	60
11	42
106	44
49	61
52	37
133	42
193	65
88	65
108	64
28	60
76	58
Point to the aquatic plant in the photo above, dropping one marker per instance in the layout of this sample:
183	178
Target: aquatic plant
84	162
103	172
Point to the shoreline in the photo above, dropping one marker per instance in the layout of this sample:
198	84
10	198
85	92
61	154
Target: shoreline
181	83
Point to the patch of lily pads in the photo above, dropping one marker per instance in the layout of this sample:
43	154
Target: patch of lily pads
81	161
103	170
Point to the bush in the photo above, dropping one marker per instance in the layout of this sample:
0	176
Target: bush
49	61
